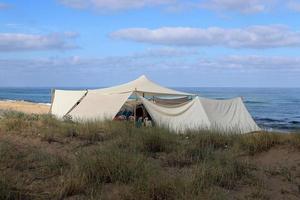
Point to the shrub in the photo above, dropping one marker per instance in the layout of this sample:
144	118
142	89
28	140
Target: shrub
91	131
224	170
258	142
8	190
156	140
92	169
294	139
157	186
110	166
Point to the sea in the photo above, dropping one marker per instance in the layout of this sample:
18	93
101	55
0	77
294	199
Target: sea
272	108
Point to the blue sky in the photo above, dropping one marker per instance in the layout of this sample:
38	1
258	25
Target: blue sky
78	43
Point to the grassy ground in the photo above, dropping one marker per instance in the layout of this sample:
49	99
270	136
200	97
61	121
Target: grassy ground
43	158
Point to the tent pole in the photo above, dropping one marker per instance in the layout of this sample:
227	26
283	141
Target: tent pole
52	98
135	107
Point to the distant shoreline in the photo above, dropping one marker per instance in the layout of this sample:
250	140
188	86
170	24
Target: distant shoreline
25	106
25	101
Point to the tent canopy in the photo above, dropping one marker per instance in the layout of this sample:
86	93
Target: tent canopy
142	85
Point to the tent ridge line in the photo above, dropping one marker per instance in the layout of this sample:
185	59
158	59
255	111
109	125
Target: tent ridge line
169	94
141	91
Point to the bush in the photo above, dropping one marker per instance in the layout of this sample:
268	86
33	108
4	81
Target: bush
157	186
101	166
223	170
8	191
110	166
215	140
259	142
158	140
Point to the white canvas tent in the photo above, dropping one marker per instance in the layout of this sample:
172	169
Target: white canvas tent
228	116
189	112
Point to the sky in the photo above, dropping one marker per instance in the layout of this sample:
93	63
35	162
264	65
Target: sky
178	43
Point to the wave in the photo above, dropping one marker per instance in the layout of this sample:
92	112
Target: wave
254	102
270	120
278	124
294	122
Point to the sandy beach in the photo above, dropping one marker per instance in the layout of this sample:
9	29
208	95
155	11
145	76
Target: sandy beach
26	107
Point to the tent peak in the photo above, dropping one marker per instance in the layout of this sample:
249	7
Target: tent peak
143	77
142	85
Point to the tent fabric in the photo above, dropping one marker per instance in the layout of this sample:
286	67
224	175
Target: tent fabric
188	116
97	106
226	116
170	101
64	101
142	85
229	115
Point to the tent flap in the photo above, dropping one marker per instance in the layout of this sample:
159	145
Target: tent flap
97	106
229	115
64	101
190	116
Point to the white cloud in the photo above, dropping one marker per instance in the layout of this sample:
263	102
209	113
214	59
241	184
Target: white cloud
256	37
242	6
238	6
155	57
294	5
135	62
4	6
166	52
114	5
10	42
254	62
218	71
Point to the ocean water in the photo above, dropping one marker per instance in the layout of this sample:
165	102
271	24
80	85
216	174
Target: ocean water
272	108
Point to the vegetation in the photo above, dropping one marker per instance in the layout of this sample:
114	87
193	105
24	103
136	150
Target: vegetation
44	158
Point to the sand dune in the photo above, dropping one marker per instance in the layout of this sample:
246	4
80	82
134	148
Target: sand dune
26	107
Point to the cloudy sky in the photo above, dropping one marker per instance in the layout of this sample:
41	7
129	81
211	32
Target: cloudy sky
84	43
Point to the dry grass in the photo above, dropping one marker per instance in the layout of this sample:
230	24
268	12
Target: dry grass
115	160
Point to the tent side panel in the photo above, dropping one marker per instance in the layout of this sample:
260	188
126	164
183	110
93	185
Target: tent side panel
229	115
190	116
64	100
98	106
